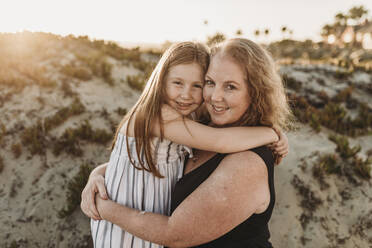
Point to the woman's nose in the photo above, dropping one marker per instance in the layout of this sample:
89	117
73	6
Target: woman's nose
217	94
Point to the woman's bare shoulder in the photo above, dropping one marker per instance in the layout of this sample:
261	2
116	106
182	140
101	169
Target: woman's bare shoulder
244	160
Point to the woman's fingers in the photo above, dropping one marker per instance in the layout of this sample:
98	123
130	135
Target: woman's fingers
281	150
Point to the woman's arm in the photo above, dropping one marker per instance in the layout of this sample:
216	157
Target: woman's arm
223	140
96	183
237	189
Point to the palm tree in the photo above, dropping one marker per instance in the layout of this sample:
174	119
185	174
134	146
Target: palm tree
357	13
215	39
257	33
341	18
284	30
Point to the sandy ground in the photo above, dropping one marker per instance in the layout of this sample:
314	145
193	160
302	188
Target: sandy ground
33	188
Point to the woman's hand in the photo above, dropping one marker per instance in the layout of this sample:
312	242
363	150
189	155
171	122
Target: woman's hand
96	184
281	147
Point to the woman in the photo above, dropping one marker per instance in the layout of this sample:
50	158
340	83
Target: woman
229	200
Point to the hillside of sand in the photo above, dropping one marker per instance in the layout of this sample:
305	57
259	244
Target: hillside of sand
61	99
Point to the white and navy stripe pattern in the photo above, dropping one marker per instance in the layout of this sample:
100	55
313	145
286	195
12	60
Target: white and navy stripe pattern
138	189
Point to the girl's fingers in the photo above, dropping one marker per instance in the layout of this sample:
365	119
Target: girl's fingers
92	203
102	189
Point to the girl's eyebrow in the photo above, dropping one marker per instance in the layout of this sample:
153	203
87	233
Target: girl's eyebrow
177	78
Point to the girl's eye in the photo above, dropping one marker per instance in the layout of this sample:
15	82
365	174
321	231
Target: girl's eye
200	86
177	82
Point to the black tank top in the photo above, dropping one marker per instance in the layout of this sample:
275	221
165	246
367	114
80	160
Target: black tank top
253	232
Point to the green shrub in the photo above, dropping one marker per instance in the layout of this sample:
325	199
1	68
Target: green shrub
329	164
74	190
34	138
66	89
343	147
1	164
136	82
69	141
17	150
344	95
63	114
78	72
362	167
314	122
121	111
323	96
2	132
98	66
291	82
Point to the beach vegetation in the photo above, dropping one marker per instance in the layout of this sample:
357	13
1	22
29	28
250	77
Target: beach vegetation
343	148
1	164
136	82
291	82
78	72
70	140
16	150
121	111
34	138
74	189
75	108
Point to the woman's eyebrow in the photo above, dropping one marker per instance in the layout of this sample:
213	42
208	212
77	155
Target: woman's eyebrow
207	76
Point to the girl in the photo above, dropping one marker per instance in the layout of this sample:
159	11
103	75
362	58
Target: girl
160	129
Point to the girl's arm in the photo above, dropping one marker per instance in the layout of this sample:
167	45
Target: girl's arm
237	189
222	140
95	184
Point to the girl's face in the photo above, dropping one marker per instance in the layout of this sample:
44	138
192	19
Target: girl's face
225	91
184	87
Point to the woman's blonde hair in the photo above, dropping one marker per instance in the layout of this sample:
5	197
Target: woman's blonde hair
147	109
269	105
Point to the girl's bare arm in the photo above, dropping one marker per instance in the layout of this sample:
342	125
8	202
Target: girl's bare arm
223	140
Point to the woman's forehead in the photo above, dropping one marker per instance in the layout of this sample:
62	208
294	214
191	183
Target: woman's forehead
225	67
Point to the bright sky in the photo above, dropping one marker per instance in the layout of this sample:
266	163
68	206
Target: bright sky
155	21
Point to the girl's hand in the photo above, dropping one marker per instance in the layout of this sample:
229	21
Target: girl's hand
281	147
96	184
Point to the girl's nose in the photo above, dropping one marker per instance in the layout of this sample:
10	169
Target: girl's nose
185	94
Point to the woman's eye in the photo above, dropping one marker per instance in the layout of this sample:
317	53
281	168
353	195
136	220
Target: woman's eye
209	82
230	87
200	86
177	82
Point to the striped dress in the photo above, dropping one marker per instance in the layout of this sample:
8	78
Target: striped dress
138	189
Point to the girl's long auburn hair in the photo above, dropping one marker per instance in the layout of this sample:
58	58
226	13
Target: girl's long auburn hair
148	107
269	104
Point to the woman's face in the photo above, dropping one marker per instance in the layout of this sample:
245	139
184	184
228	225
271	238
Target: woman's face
225	91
